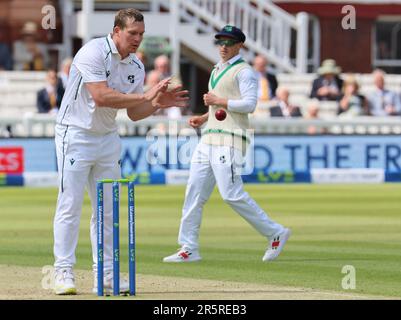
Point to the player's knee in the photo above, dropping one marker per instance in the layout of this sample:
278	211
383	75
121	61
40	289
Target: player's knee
229	198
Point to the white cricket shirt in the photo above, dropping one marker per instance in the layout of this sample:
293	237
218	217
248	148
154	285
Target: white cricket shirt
96	61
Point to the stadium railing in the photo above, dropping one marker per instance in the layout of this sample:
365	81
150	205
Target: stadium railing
42	125
18	115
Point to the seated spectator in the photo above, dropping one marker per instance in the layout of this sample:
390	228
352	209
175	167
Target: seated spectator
6	62
328	85
28	53
267	82
162	71
383	102
49	98
312	113
352	104
312	110
282	107
64	72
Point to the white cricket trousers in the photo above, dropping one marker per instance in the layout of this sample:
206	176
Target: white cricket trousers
218	164
82	159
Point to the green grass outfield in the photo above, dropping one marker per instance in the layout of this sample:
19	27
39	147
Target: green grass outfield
333	226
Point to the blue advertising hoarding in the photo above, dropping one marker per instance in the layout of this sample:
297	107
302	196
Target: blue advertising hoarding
278	158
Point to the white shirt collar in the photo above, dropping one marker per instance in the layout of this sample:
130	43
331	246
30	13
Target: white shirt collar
112	45
231	61
130	59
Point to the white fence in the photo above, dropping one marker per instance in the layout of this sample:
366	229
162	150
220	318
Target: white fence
42	125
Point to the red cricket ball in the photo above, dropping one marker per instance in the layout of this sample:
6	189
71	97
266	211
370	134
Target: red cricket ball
220	114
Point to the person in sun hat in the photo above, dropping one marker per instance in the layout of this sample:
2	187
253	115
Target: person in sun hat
218	157
328	85
29	54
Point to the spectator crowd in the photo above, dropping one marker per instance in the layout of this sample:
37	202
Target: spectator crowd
274	100
329	85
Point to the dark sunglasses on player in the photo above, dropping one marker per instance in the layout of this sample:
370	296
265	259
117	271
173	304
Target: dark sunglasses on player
226	42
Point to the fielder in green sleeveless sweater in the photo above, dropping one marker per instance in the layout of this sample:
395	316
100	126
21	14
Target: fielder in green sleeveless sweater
219	156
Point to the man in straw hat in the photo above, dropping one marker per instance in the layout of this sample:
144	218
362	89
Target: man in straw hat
28	53
328	85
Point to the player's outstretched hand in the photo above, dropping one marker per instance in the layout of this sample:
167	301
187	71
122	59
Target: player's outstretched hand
197	121
176	97
158	88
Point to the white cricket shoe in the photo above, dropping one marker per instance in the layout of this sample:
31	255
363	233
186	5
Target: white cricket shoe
108	284
276	245
184	255
64	283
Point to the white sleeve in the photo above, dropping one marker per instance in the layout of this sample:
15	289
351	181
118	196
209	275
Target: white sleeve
248	87
91	64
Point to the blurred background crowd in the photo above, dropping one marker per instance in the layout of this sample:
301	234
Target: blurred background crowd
327	90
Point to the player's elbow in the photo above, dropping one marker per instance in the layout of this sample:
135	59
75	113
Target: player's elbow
252	109
249	107
252	103
98	93
99	99
134	116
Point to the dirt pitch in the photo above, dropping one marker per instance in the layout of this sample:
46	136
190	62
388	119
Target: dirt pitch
21	283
